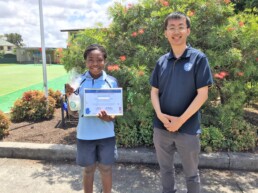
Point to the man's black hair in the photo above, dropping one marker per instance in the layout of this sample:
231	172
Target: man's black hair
177	15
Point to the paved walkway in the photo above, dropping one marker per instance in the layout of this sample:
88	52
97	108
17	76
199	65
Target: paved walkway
50	168
35	176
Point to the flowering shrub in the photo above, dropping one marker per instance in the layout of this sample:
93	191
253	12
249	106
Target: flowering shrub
33	106
135	40
4	125
55	95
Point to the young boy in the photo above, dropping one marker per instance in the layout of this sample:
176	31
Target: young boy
95	135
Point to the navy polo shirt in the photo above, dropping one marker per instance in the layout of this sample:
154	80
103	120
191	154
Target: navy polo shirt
178	81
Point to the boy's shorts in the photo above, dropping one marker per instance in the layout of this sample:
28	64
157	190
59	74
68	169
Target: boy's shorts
92	151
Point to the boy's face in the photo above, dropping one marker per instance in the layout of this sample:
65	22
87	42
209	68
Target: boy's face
95	62
177	32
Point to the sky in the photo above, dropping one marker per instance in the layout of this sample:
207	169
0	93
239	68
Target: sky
22	17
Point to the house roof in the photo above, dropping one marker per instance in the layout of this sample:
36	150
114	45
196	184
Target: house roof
6	43
76	30
71	30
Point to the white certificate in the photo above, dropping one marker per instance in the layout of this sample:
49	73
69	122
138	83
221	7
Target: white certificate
110	100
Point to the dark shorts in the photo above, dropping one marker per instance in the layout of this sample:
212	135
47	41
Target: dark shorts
92	151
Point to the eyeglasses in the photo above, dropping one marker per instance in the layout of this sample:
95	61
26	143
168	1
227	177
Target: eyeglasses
173	29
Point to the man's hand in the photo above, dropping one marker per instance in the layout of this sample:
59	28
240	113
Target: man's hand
68	90
163	118
174	123
105	117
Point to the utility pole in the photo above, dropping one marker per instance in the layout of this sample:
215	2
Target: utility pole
43	48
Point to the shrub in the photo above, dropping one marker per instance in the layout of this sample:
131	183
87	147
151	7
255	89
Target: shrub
33	106
55	95
135	40
4	125
212	139
240	136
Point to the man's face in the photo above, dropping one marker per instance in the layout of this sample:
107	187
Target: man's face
177	32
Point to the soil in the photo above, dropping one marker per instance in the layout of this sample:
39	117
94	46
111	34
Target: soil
48	131
52	131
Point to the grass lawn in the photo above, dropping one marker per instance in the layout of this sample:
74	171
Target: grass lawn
17	78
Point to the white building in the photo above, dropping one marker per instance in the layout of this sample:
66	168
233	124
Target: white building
7	47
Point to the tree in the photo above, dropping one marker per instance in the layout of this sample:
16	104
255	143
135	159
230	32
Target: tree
241	5
135	40
14	38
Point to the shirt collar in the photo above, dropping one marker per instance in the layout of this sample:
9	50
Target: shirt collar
102	77
186	53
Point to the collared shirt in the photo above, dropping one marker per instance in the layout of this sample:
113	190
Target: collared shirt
178	80
91	128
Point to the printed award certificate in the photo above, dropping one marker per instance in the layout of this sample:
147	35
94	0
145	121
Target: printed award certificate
110	100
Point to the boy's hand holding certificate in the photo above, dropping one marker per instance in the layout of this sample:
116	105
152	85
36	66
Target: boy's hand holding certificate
109	100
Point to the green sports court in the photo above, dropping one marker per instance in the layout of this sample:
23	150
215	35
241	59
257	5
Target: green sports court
16	79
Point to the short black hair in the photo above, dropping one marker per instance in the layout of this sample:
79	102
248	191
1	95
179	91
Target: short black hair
94	47
177	15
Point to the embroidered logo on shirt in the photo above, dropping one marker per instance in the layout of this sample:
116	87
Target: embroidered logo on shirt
87	110
188	66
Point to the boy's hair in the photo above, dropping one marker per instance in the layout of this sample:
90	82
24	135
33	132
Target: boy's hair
177	15
94	47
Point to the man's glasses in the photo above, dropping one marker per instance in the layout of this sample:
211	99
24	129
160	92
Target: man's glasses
173	29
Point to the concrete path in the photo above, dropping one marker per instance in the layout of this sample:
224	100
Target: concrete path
35	176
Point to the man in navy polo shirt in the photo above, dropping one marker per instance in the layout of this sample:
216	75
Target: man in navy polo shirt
180	84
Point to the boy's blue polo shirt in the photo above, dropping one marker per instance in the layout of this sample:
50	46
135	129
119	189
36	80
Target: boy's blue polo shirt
91	128
178	81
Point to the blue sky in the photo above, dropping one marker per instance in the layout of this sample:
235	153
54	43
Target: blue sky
22	17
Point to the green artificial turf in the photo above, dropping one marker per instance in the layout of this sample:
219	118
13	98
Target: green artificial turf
16	79
18	76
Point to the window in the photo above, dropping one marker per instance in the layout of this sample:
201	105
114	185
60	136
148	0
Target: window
1	47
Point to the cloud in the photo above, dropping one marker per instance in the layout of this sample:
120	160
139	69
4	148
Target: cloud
22	17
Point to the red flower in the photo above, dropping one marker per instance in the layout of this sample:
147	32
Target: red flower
240	74
218	76
241	23
40	49
223	73
113	67
227	1
257	59
134	34
165	3
140	73
141	31
191	13
231	29
122	58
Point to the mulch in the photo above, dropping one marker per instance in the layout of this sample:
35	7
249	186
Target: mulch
48	131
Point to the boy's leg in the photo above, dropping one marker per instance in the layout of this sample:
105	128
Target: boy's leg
163	141
86	157
106	158
106	177
188	147
88	178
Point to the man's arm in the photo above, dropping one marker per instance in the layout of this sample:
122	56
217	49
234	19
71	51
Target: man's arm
156	105
199	100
